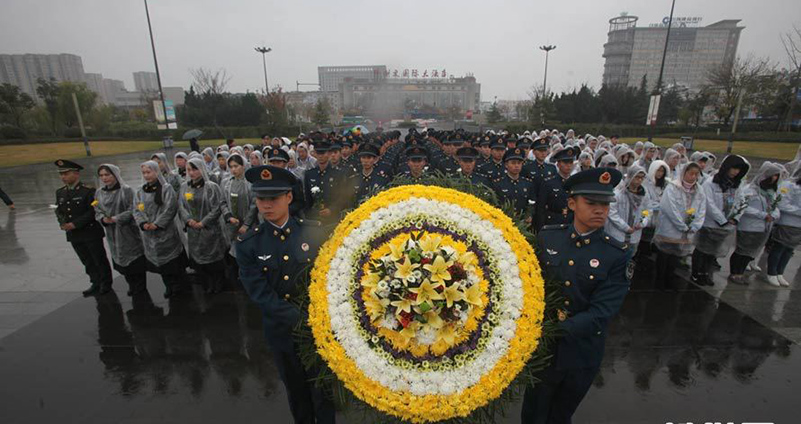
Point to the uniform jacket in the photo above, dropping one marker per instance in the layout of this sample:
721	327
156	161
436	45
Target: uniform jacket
519	192
551	204
592	272
74	205
272	263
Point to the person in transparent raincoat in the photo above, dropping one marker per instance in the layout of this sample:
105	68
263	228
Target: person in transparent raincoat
199	208
180	164
681	214
155	207
756	222
114	211
239	210
172	179
222	168
626	219
723	210
786	235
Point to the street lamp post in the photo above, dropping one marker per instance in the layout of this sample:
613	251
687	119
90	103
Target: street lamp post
158	74
264	51
546	49
657	94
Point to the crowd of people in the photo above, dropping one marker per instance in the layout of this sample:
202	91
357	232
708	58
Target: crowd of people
189	209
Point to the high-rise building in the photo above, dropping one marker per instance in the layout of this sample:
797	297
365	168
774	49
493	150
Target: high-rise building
332	76
146	81
632	52
23	70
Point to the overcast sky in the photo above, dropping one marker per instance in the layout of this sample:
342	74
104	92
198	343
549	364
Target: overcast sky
495	42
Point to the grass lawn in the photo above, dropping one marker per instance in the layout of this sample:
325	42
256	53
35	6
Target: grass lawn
26	154
767	150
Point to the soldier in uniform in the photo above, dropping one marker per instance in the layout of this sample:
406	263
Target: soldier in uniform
273	259
493	168
369	179
280	158
593	270
447	162
322	186
467	157
76	216
513	187
551	197
417	161
539	170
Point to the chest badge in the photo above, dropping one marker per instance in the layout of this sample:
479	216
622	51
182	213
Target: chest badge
265	257
304	247
594	263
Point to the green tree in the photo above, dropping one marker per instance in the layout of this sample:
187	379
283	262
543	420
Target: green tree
66	108
48	91
14	103
494	115
275	119
322	113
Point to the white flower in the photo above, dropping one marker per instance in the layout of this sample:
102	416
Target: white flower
315	190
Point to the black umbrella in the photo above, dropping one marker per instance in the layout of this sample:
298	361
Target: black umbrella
195	133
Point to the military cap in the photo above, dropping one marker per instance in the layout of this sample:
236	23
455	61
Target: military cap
348	142
467	153
524	143
597	184
540	143
322	146
484	141
277	154
67	165
335	146
269	181
369	150
568	153
497	143
516	153
454	139
416	152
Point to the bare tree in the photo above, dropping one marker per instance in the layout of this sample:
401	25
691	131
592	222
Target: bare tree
729	81
792	46
211	82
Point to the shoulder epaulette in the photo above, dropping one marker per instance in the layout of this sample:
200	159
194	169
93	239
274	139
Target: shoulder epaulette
554	227
309	223
620	245
250	233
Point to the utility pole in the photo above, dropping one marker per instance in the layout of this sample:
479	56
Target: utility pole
657	94
264	51
158	74
730	145
80	124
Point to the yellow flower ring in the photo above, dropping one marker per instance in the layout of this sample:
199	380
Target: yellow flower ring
421	392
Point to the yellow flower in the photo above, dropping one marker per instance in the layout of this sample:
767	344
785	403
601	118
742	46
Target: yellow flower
189	196
467	258
691	211
473	295
371	280
645	213
784	190
403	305
439	270
433	319
408	333
95	203
453	294
447	334
375	306
430	243
405	269
141	207
426	292
396	251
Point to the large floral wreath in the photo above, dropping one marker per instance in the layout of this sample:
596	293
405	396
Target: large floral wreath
426	303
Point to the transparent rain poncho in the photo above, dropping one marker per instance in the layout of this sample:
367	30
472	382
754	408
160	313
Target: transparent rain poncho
239	203
117	202
201	201
166	170
157	204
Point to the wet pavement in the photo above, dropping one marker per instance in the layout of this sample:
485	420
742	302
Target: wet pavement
725	353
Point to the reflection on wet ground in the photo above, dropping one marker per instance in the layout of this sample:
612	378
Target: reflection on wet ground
722	354
670	357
